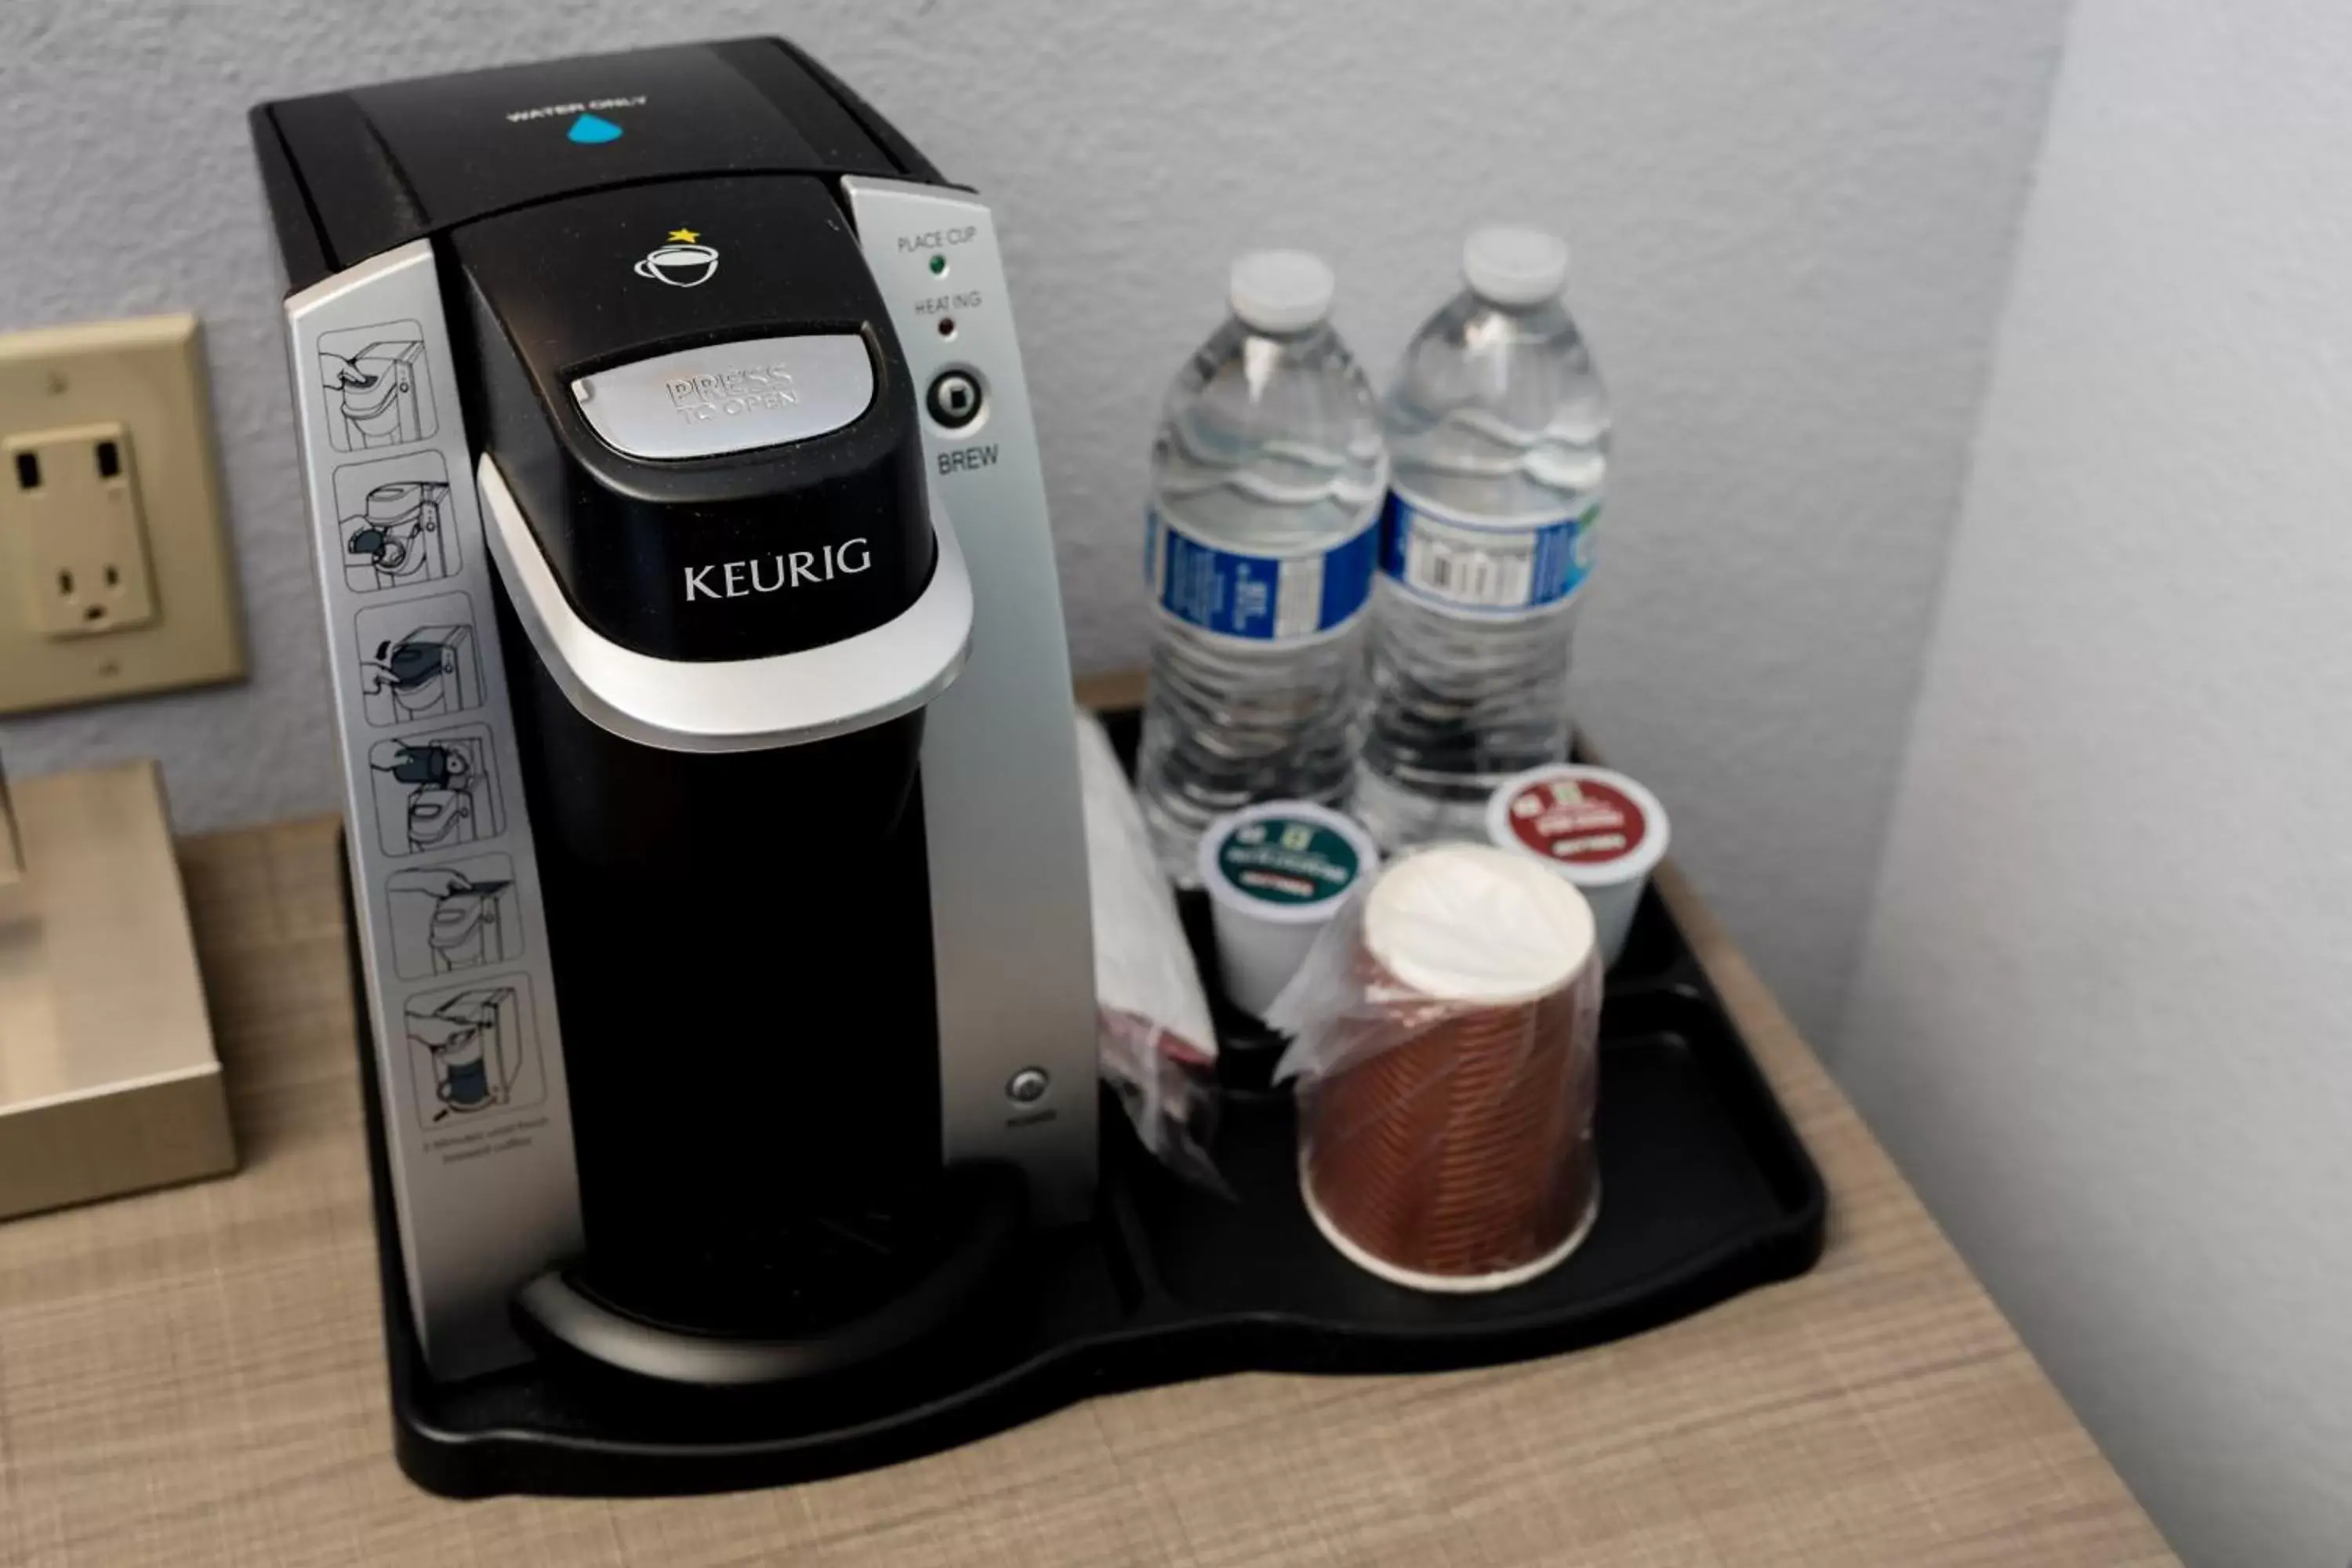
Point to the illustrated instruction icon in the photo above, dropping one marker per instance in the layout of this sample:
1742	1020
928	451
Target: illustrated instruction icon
453	917
435	792
395	524
472	1051
419	661
377	387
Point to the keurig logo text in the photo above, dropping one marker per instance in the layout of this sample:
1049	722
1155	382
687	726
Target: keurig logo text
774	574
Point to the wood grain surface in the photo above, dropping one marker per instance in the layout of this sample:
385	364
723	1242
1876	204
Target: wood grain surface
194	1376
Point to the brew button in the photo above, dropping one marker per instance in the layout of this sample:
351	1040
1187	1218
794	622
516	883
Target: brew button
1027	1087
954	398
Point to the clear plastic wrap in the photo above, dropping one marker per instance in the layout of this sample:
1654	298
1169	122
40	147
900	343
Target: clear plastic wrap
1154	1039
1444	1052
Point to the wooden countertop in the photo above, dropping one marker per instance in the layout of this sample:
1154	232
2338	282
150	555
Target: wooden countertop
195	1377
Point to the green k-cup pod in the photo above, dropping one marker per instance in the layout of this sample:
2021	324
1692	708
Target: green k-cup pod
1276	873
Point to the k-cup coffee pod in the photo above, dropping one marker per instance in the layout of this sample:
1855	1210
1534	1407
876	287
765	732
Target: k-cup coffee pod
1274	873
1599	829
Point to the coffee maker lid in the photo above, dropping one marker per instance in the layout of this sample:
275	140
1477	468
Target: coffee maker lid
355	173
735	705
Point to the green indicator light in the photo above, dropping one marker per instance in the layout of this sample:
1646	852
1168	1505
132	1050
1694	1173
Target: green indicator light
939	265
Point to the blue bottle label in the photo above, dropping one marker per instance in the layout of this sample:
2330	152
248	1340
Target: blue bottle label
1484	568
1265	598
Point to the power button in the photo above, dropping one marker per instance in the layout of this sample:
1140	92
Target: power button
954	400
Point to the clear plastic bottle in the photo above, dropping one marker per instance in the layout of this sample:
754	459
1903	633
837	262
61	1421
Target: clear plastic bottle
1498	430
1267	478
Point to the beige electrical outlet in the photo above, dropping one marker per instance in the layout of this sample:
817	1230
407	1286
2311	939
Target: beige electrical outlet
81	533
115	572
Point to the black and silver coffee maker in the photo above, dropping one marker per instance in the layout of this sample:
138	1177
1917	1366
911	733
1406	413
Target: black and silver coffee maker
676	389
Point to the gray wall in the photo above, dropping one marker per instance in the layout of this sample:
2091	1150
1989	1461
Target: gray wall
1791	221
2102	1019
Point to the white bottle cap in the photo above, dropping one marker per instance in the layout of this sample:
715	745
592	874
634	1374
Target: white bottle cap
1507	266
1281	290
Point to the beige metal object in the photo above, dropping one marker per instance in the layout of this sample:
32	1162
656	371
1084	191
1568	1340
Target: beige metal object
108	1079
12	859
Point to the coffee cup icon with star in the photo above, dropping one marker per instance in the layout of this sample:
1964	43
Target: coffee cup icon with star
682	263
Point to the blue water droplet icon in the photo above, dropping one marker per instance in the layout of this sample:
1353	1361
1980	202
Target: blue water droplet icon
590	129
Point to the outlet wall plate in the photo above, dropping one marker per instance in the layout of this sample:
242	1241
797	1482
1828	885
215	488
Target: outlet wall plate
70	495
116	577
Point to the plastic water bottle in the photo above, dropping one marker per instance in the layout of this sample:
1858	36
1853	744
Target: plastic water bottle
1498	430
1267	478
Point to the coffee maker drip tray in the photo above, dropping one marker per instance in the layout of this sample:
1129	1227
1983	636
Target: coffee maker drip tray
804	1274
1707	1192
814	1296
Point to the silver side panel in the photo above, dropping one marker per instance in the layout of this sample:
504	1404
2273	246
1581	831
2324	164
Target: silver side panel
468	1055
1009	918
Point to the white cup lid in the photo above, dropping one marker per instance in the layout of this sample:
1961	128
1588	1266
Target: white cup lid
1593	827
1514	266
1469	922
1281	290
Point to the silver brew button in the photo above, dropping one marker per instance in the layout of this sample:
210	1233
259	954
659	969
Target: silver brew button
729	397
1028	1086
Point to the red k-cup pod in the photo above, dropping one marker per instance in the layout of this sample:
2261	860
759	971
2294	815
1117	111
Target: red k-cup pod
1600	830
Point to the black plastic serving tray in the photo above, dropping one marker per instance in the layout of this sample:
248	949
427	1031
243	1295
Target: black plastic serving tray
1706	1193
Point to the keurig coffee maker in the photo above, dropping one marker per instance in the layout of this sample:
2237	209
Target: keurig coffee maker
718	903
700	677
